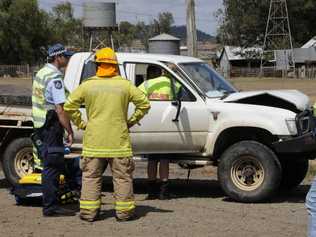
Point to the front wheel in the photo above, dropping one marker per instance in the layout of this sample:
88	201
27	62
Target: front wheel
293	173
18	159
249	171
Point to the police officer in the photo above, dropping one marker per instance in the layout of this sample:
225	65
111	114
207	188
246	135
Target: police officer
50	120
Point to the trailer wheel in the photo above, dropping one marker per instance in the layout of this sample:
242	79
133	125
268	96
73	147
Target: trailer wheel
249	171
293	173
18	159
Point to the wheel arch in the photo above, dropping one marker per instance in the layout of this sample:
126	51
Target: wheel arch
7	135
232	135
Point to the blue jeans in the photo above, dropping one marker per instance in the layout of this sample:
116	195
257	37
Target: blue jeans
311	208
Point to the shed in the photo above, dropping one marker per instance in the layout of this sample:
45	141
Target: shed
237	58
311	43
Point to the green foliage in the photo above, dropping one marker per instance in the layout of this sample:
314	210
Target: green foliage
126	34
24	31
243	22
165	21
27	31
142	31
64	26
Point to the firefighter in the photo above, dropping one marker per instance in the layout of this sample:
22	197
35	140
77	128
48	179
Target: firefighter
50	120
158	87
106	140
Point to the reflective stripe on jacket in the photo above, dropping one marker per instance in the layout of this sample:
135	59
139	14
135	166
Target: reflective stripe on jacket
159	88
106	101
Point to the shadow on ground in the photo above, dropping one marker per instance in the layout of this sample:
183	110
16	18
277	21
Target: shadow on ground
196	188
4	184
141	211
180	188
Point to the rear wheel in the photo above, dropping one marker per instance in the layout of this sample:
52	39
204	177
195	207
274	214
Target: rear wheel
249	171
18	159
293	173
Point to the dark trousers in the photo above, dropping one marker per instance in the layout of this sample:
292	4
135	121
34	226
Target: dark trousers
52	153
73	174
53	167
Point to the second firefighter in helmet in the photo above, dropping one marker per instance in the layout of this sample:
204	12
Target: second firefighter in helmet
106	140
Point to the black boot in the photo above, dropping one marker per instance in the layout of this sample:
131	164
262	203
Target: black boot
152	189
164	190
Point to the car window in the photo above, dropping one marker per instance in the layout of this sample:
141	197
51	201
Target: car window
89	70
138	74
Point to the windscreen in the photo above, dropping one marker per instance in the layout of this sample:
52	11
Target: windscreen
207	79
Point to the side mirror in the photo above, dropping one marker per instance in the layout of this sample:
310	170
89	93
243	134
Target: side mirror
178	104
176	100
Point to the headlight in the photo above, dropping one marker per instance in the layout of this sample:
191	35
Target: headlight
291	126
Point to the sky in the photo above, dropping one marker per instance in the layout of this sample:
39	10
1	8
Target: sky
146	10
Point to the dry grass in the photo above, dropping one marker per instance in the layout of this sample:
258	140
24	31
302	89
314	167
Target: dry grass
308	87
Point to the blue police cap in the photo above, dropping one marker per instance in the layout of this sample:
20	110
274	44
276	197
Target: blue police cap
59	49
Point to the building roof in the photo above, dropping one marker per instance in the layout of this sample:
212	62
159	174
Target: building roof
303	55
163	37
311	43
238	53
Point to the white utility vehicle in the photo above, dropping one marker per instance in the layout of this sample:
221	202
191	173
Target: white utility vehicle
260	140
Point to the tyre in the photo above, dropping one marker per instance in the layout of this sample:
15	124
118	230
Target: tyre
249	171
293	173
18	159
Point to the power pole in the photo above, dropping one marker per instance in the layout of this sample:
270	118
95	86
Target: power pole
277	51
191	29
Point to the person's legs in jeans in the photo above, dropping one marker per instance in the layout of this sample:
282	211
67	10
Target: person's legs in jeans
164	177
311	208
152	185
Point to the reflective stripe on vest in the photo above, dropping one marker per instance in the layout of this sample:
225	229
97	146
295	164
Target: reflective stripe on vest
159	88
124	206
90	204
37	161
39	103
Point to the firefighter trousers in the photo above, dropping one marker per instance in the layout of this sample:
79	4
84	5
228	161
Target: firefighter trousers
122	172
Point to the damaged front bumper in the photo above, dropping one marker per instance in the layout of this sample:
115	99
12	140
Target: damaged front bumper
304	142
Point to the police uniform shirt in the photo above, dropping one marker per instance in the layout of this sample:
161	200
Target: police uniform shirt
55	90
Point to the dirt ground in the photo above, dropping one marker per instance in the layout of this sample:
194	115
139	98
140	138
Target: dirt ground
197	208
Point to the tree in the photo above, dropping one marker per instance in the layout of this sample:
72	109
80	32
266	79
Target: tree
144	32
243	22
64	26
23	33
165	21
157	26
126	34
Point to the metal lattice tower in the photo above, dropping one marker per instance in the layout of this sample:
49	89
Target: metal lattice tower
278	37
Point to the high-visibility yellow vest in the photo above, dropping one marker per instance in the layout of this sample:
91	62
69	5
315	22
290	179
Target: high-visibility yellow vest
39	103
159	88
